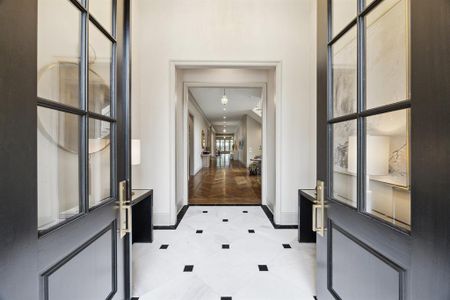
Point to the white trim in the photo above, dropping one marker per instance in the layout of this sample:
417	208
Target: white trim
172	141
279	142
193	64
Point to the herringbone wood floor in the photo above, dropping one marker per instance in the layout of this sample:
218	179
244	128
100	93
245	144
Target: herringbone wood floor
225	182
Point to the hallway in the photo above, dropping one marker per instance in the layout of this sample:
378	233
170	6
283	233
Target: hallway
222	252
226	182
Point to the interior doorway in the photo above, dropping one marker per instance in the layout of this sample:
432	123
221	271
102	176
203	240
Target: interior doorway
264	75
230	172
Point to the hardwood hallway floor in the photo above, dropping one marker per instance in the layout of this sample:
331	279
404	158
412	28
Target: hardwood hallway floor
225	182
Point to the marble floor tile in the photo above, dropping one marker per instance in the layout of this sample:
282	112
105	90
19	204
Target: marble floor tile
237	270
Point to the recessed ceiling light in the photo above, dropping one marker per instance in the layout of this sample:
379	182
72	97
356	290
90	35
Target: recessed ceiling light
224	108
224	117
224	130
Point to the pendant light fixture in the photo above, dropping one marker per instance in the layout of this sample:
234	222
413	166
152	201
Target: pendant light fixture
224	98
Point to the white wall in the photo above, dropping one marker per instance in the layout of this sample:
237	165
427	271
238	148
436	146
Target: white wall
200	124
216	30
254	139
250	132
241	140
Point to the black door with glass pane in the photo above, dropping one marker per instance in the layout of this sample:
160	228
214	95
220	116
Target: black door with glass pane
63	127
383	149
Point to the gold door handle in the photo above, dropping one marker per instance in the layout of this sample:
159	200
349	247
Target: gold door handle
314	214
125	211
319	208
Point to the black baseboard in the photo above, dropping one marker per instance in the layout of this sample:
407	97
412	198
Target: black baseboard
269	215
266	210
180	216
224	204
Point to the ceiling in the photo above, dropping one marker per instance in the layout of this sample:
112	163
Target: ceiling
241	101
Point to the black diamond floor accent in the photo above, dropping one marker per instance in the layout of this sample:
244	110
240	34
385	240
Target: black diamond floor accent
164	246
251	231
135	298
287	246
225	246
245	211
226	298
225	220
263	268
188	268
199	231
205	211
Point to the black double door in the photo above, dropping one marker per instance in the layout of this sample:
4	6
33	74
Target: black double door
383	122
64	127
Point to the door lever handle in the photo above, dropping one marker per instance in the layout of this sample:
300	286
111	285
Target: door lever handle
125	210
319	207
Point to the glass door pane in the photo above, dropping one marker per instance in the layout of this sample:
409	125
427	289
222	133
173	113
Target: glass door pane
344	70
58	62
58	136
344	176
99	161
102	11
388	194
387	57
343	12
100	67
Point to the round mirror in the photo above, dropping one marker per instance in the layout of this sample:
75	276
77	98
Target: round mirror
59	82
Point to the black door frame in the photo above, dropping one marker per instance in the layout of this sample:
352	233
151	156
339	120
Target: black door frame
124	125
18	185
27	259
422	254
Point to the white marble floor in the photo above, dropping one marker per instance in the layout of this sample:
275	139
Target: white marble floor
160	269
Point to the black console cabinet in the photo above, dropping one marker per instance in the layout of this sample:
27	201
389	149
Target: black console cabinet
142	220
306	200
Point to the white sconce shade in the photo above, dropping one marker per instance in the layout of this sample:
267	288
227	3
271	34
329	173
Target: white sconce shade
377	155
135	152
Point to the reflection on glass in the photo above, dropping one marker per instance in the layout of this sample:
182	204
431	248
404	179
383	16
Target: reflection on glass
58	61
343	12
344	166
387	53
100	54
99	161
388	193
58	167
102	10
368	2
344	74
